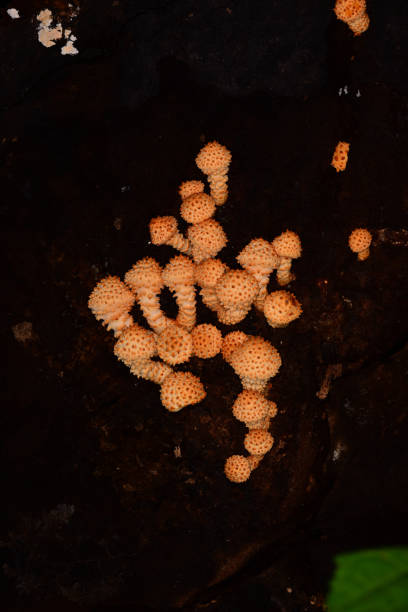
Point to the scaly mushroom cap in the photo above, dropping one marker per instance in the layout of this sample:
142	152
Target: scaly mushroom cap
288	244
208	272
174	344
256	359
181	389
197	208
213	157
250	406
237	468
259	256
349	9
134	344
340	156
208	237
162	229
187	188
359	240
231	342
237	289
179	271
110	298
258	441
281	307
207	340
145	273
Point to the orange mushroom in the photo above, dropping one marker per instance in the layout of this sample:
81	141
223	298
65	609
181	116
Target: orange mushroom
288	247
359	242
181	389
111	301
164	230
178	275
214	160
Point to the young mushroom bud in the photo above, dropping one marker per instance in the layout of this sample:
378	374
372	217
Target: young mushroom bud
258	442
181	389
252	408
214	160
359	242
206	239
145	279
237	468
111	301
236	291
288	247
187	188
281	308
164	230
255	362
259	258
178	275
207	341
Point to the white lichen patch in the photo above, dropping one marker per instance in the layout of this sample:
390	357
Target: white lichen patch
47	35
68	48
13	13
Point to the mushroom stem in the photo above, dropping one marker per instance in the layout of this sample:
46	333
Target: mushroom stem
218	185
156	371
362	255
178	242
283	274
149	303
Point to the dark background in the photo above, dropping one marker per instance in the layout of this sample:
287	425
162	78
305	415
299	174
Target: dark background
98	513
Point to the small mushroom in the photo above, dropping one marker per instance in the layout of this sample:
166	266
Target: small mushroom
359	242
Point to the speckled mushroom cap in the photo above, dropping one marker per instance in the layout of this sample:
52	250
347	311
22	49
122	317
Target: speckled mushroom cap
258	441
145	273
231	342
181	389
349	9
179	271
256	359
213	157
174	344
134	344
197	208
187	188
359	240
237	468
340	156
281	307
207	340
208	272
162	229
110	297
250	406
237	289
288	244
258	256
207	237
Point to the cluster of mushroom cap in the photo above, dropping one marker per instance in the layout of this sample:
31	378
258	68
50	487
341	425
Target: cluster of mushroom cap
353	12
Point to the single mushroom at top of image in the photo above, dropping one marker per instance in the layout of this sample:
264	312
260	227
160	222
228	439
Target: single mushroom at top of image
111	302
188	188
164	230
236	291
178	276
145	279
259	258
206	239
214	160
288	247
281	308
360	242
255	361
197	207
181	389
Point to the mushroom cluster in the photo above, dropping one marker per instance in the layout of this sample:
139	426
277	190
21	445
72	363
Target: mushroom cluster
353	12
153	354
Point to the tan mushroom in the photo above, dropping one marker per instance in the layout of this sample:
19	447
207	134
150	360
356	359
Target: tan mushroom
353	12
288	247
237	468
281	308
252	408
236	291
340	156
207	341
111	302
174	344
359	242
187	188
214	160
258	442
181	389
178	275
207	274
231	342
197	208
259	258
164	230
255	362
206	239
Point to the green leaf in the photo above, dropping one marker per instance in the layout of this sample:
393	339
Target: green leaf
370	581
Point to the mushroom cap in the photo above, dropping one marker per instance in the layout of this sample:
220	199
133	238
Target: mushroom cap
208	236
179	271
237	468
258	441
359	240
281	307
340	156
174	344
162	229
250	406
237	289
256	358
110	296
213	157
145	273
349	9
231	342
288	244
187	188
207	340
197	207
181	389
259	255
135	343
208	272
